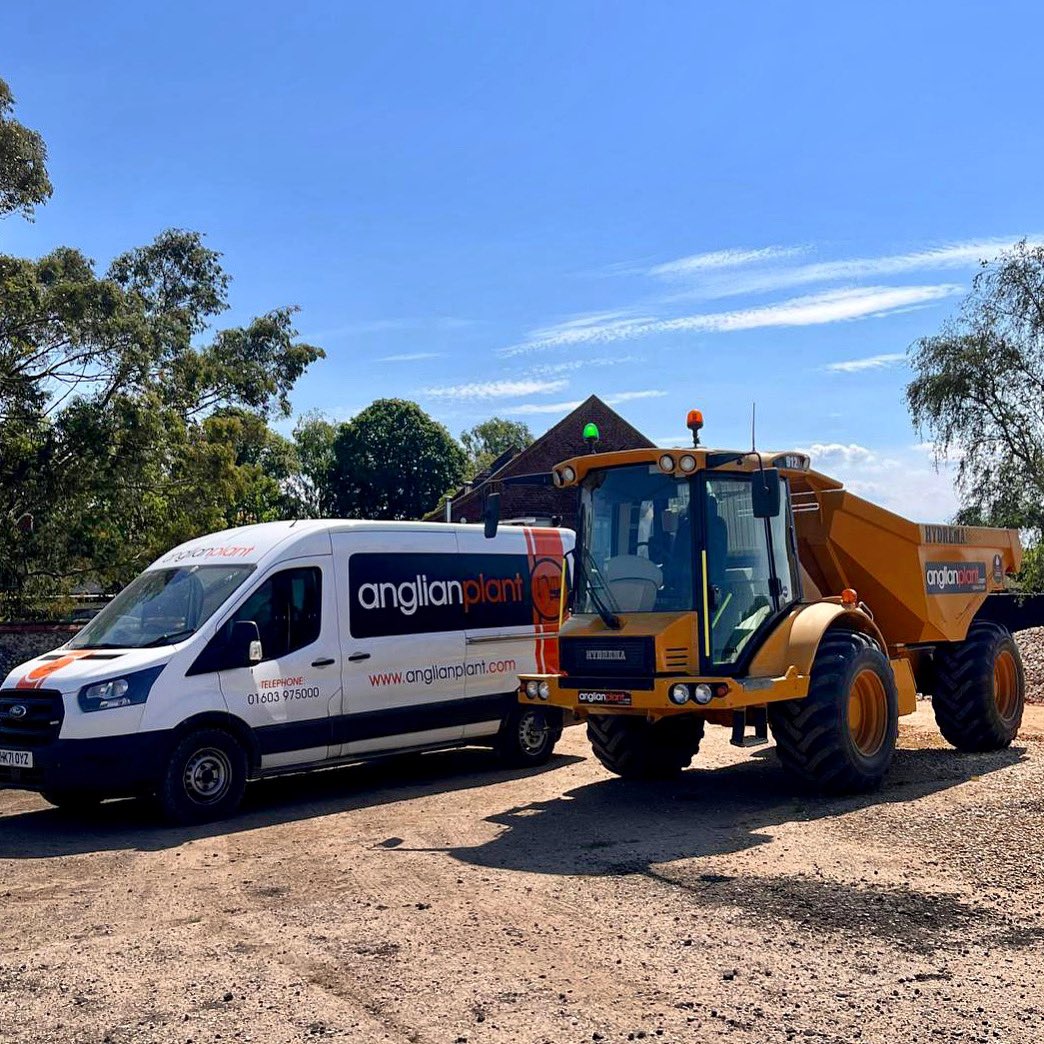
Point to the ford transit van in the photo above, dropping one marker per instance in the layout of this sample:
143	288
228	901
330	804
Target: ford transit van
291	645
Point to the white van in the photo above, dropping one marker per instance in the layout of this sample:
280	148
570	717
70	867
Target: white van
291	645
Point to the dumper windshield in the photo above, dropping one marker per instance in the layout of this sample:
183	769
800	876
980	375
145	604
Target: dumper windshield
635	552
161	606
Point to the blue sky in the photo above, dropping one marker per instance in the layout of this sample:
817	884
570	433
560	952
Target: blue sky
499	208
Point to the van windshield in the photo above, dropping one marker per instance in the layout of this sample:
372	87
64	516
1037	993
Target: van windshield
160	607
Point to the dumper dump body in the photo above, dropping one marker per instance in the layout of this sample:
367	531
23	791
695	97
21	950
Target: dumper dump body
923	583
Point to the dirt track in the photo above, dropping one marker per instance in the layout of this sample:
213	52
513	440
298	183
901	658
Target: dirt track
442	899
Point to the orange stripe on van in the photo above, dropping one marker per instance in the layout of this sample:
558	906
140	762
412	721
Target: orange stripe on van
38	675
545	585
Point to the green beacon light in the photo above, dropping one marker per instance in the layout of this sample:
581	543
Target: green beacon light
591	436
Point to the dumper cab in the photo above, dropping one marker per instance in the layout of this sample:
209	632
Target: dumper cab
704	584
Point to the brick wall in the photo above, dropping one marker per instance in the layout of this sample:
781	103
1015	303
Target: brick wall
21	642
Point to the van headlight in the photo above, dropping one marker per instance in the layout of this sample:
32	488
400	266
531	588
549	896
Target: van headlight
124	691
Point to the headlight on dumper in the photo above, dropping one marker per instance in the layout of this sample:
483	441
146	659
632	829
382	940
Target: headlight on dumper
124	691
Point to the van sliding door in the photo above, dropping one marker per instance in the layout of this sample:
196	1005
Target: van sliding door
403	662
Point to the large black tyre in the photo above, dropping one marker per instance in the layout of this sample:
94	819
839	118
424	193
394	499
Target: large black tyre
73	802
840	739
637	748
204	778
980	689
528	735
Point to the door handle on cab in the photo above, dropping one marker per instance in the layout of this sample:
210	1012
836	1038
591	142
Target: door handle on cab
356	657
324	662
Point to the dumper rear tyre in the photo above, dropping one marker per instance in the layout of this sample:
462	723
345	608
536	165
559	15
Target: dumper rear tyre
637	748
840	739
980	689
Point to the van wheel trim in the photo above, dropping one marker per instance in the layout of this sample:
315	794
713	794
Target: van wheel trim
207	776
532	732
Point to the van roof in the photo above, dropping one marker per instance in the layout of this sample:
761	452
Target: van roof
250	544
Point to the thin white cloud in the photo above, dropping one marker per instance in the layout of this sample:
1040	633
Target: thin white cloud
410	357
872	362
496	389
566	407
615	400
718	259
783	277
543	407
830	306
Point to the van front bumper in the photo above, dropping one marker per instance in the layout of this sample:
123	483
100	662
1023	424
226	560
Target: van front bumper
112	766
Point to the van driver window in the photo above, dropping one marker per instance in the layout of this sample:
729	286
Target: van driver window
286	609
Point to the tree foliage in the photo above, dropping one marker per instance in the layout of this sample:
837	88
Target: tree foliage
392	461
24	183
127	423
978	393
488	440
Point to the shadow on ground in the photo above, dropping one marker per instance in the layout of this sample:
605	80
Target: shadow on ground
615	826
134	825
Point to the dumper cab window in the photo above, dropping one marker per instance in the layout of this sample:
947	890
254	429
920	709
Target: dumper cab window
636	550
751	572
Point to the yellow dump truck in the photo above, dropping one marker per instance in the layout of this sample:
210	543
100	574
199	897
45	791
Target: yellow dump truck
747	590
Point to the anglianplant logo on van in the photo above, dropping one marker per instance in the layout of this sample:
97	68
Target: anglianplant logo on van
418	593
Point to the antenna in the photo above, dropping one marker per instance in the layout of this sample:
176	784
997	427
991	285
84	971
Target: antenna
754	443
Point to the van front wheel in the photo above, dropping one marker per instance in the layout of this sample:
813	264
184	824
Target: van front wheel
528	735
205	778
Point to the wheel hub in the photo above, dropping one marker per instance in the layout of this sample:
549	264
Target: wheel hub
531	733
1005	685
868	712
208	775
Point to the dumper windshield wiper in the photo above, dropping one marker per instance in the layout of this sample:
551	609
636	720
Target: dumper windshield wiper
587	571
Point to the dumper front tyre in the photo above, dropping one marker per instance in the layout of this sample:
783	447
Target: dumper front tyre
637	748
528	736
204	779
840	739
980	689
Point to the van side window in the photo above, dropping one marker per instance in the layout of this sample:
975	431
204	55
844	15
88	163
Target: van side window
287	609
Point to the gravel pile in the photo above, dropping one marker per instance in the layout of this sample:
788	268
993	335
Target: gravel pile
1031	645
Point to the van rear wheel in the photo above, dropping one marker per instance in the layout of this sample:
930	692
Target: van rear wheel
205	778
528	735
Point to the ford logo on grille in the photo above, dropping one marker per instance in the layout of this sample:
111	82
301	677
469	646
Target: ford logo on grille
17	711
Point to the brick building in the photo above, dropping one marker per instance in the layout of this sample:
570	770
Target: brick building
539	504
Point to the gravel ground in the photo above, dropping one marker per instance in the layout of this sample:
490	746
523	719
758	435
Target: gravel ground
1031	645
443	900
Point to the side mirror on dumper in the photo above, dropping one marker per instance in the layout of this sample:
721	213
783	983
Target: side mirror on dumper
766	496
491	515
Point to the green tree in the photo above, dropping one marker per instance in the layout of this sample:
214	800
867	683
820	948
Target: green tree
978	393
310	487
24	183
126	421
486	441
392	461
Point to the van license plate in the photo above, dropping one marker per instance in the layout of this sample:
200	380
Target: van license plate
16	759
604	698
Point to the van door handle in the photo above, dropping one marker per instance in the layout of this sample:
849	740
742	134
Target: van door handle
356	657
324	662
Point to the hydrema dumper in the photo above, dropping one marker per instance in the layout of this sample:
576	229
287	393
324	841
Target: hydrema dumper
747	590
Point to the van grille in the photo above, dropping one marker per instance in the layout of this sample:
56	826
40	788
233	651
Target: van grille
30	717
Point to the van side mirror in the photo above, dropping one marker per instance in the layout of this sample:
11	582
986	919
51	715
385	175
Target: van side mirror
491	515
766	493
244	644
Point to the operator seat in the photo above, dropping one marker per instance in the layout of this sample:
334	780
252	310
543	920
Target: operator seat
633	582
